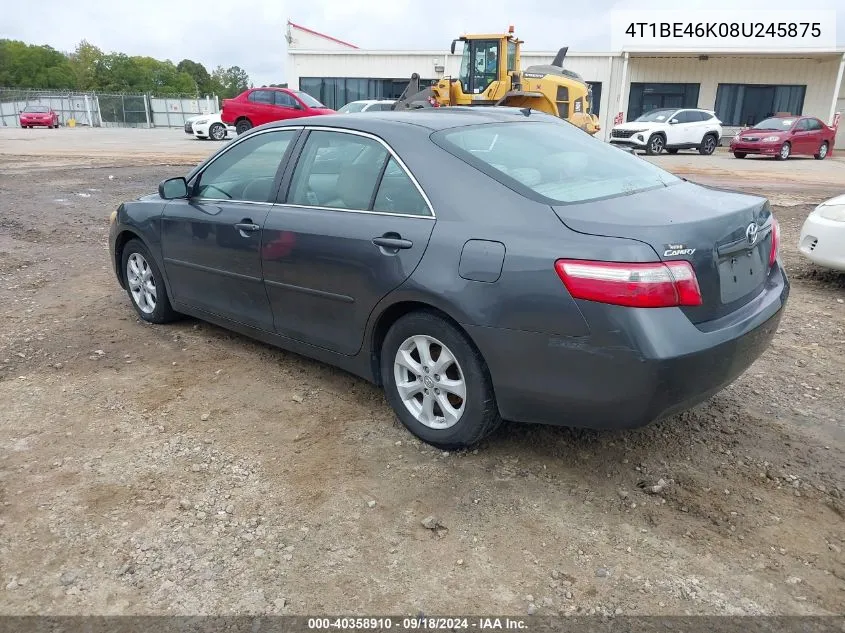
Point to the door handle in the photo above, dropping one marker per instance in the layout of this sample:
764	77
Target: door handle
247	226
394	243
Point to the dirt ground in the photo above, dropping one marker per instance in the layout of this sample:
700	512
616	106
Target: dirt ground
184	469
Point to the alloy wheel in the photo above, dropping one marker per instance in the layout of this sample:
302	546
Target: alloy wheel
139	277
430	382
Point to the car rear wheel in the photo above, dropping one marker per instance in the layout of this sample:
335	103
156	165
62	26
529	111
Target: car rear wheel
822	154
655	144
740	154
145	284
783	154
437	382
217	131
243	125
708	145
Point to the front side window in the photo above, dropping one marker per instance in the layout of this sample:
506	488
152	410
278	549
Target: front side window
247	171
338	171
554	162
285	100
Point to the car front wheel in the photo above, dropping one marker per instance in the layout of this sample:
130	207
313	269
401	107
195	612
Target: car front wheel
437	382
217	131
655	144
145	284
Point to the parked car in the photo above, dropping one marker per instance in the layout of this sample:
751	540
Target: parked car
39	115
671	129
189	123
822	238
210	126
480	264
258	106
367	105
785	136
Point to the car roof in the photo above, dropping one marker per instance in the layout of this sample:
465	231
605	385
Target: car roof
429	118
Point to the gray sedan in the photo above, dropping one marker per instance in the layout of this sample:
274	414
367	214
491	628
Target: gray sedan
478	263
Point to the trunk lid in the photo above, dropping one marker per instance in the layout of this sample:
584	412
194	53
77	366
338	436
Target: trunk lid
706	226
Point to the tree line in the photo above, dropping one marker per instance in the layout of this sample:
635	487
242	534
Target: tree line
88	68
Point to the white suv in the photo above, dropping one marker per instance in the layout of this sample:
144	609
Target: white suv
671	129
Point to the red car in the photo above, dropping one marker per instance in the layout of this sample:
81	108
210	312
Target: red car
783	136
39	115
262	105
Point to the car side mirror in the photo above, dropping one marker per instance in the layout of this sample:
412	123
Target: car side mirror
673	121
173	188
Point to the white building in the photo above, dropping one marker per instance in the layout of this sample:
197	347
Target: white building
743	87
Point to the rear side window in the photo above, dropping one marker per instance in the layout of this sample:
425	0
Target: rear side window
554	162
397	194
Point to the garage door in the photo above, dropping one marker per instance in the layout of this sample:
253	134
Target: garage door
840	135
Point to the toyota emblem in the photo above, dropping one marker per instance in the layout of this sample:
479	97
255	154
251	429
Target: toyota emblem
751	233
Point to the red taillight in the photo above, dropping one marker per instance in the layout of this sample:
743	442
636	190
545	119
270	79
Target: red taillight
773	251
652	285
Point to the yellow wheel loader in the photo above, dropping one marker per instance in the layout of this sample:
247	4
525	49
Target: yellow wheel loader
491	75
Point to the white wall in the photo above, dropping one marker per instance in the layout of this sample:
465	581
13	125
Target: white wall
817	73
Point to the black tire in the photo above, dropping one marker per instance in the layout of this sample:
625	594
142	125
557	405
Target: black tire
655	145
708	145
479	414
163	312
672	150
740	154
785	151
244	125
217	131
822	153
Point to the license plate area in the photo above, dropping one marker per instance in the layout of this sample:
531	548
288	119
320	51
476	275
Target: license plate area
741	273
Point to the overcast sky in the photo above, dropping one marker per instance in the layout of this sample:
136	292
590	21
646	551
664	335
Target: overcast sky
250	33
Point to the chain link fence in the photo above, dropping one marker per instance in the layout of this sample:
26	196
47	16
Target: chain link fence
96	109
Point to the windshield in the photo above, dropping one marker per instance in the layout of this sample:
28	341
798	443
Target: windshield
556	160
41	109
355	106
775	123
307	99
659	116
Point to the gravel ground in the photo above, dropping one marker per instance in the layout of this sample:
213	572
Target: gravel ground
185	469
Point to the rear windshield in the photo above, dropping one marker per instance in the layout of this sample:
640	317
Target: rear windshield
553	160
41	109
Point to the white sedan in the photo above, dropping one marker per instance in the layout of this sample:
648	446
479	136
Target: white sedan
822	238
210	126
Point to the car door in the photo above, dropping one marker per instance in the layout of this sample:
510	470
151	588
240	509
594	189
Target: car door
815	135
287	106
262	107
677	132
800	137
353	226
211	241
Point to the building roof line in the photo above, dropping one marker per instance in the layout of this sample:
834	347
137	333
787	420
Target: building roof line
323	35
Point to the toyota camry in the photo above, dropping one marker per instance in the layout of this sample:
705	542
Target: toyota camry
478	263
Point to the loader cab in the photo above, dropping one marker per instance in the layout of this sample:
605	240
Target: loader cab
486	59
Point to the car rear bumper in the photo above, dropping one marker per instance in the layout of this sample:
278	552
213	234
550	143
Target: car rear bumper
578	382
822	241
756	148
